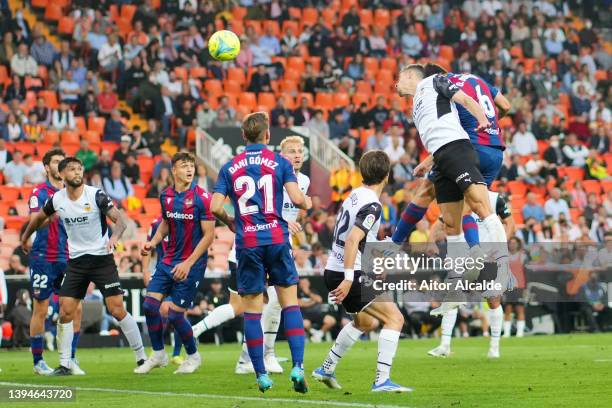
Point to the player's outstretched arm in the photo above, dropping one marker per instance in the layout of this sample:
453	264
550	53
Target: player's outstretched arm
216	207
37	220
351	246
502	103
297	197
423	167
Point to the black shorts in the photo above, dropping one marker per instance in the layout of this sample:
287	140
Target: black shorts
516	296
359	295
232	285
456	167
99	269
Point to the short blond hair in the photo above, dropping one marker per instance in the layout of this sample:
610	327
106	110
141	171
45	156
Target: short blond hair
255	125
290	140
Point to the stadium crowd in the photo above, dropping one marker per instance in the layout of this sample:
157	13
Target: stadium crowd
123	84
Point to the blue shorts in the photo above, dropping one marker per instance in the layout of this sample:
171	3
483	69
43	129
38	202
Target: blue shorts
46	278
491	159
490	163
254	263
182	293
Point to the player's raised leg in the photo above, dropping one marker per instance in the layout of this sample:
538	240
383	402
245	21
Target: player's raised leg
414	212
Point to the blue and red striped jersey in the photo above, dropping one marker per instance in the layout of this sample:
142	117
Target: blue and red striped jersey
183	213
254	181
51	242
160	249
483	93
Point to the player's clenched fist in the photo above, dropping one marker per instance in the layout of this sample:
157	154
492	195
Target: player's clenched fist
146	249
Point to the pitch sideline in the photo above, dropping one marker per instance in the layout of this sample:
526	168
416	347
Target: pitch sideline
209	396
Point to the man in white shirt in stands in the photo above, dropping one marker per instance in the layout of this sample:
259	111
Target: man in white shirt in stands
555	205
524	142
110	54
35	173
23	63
15	171
574	153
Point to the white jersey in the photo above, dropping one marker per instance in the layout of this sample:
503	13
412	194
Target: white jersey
84	220
435	115
362	209
501	209
290	211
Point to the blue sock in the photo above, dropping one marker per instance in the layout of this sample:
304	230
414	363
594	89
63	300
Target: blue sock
75	341
407	223
294	331
177	344
36	345
182	326
253	333
154	322
470	230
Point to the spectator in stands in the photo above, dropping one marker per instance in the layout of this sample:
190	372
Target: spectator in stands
88	105
317	124
402	171
260	81
303	113
86	155
601	140
578	196
16	90
69	89
12	131
555	205
541	129
581	101
524	142
395	147
65	56
224	104
22	63
574	153
205	115
125	149
63	118
452	33
131	169
328	79
185	121
339	133
379	113
152	139
15	266
15	170
107	99
289	43
594	297
117	186
43	113
389	213
5	155
159	183
165	162
411	43
103	166
222	119
596	167
378	141
361	119
533	209
42	50
114	127
35	173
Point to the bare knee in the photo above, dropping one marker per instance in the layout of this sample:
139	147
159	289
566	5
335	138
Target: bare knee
395	321
116	309
40	309
425	194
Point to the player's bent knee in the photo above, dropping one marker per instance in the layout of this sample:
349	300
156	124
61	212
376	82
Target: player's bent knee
425	194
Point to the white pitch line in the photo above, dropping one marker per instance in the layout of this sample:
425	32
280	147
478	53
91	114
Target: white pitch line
609	360
209	396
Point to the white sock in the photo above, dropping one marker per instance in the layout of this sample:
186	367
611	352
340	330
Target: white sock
507	328
496	318
217	317
448	324
520	328
345	340
65	334
270	321
130	330
457	246
244	354
497	234
387	346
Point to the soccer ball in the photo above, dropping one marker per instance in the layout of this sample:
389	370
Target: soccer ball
224	45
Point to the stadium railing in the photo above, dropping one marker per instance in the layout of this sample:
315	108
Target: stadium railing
214	153
323	150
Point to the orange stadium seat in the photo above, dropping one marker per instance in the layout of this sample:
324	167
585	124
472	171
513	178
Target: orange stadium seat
293	25
359	98
517	188
197	72
295	13
592	186
51	137
212	87
25	147
236	74
92	136
288	86
447	52
151	206
266	99
53	12
239	13
128	11
382	17
341	99
96	123
9	194
65	26
366	17
310	16
39	4
267	24
324	100
248	100
329	17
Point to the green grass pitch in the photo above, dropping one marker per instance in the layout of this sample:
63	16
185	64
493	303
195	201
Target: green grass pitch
552	371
